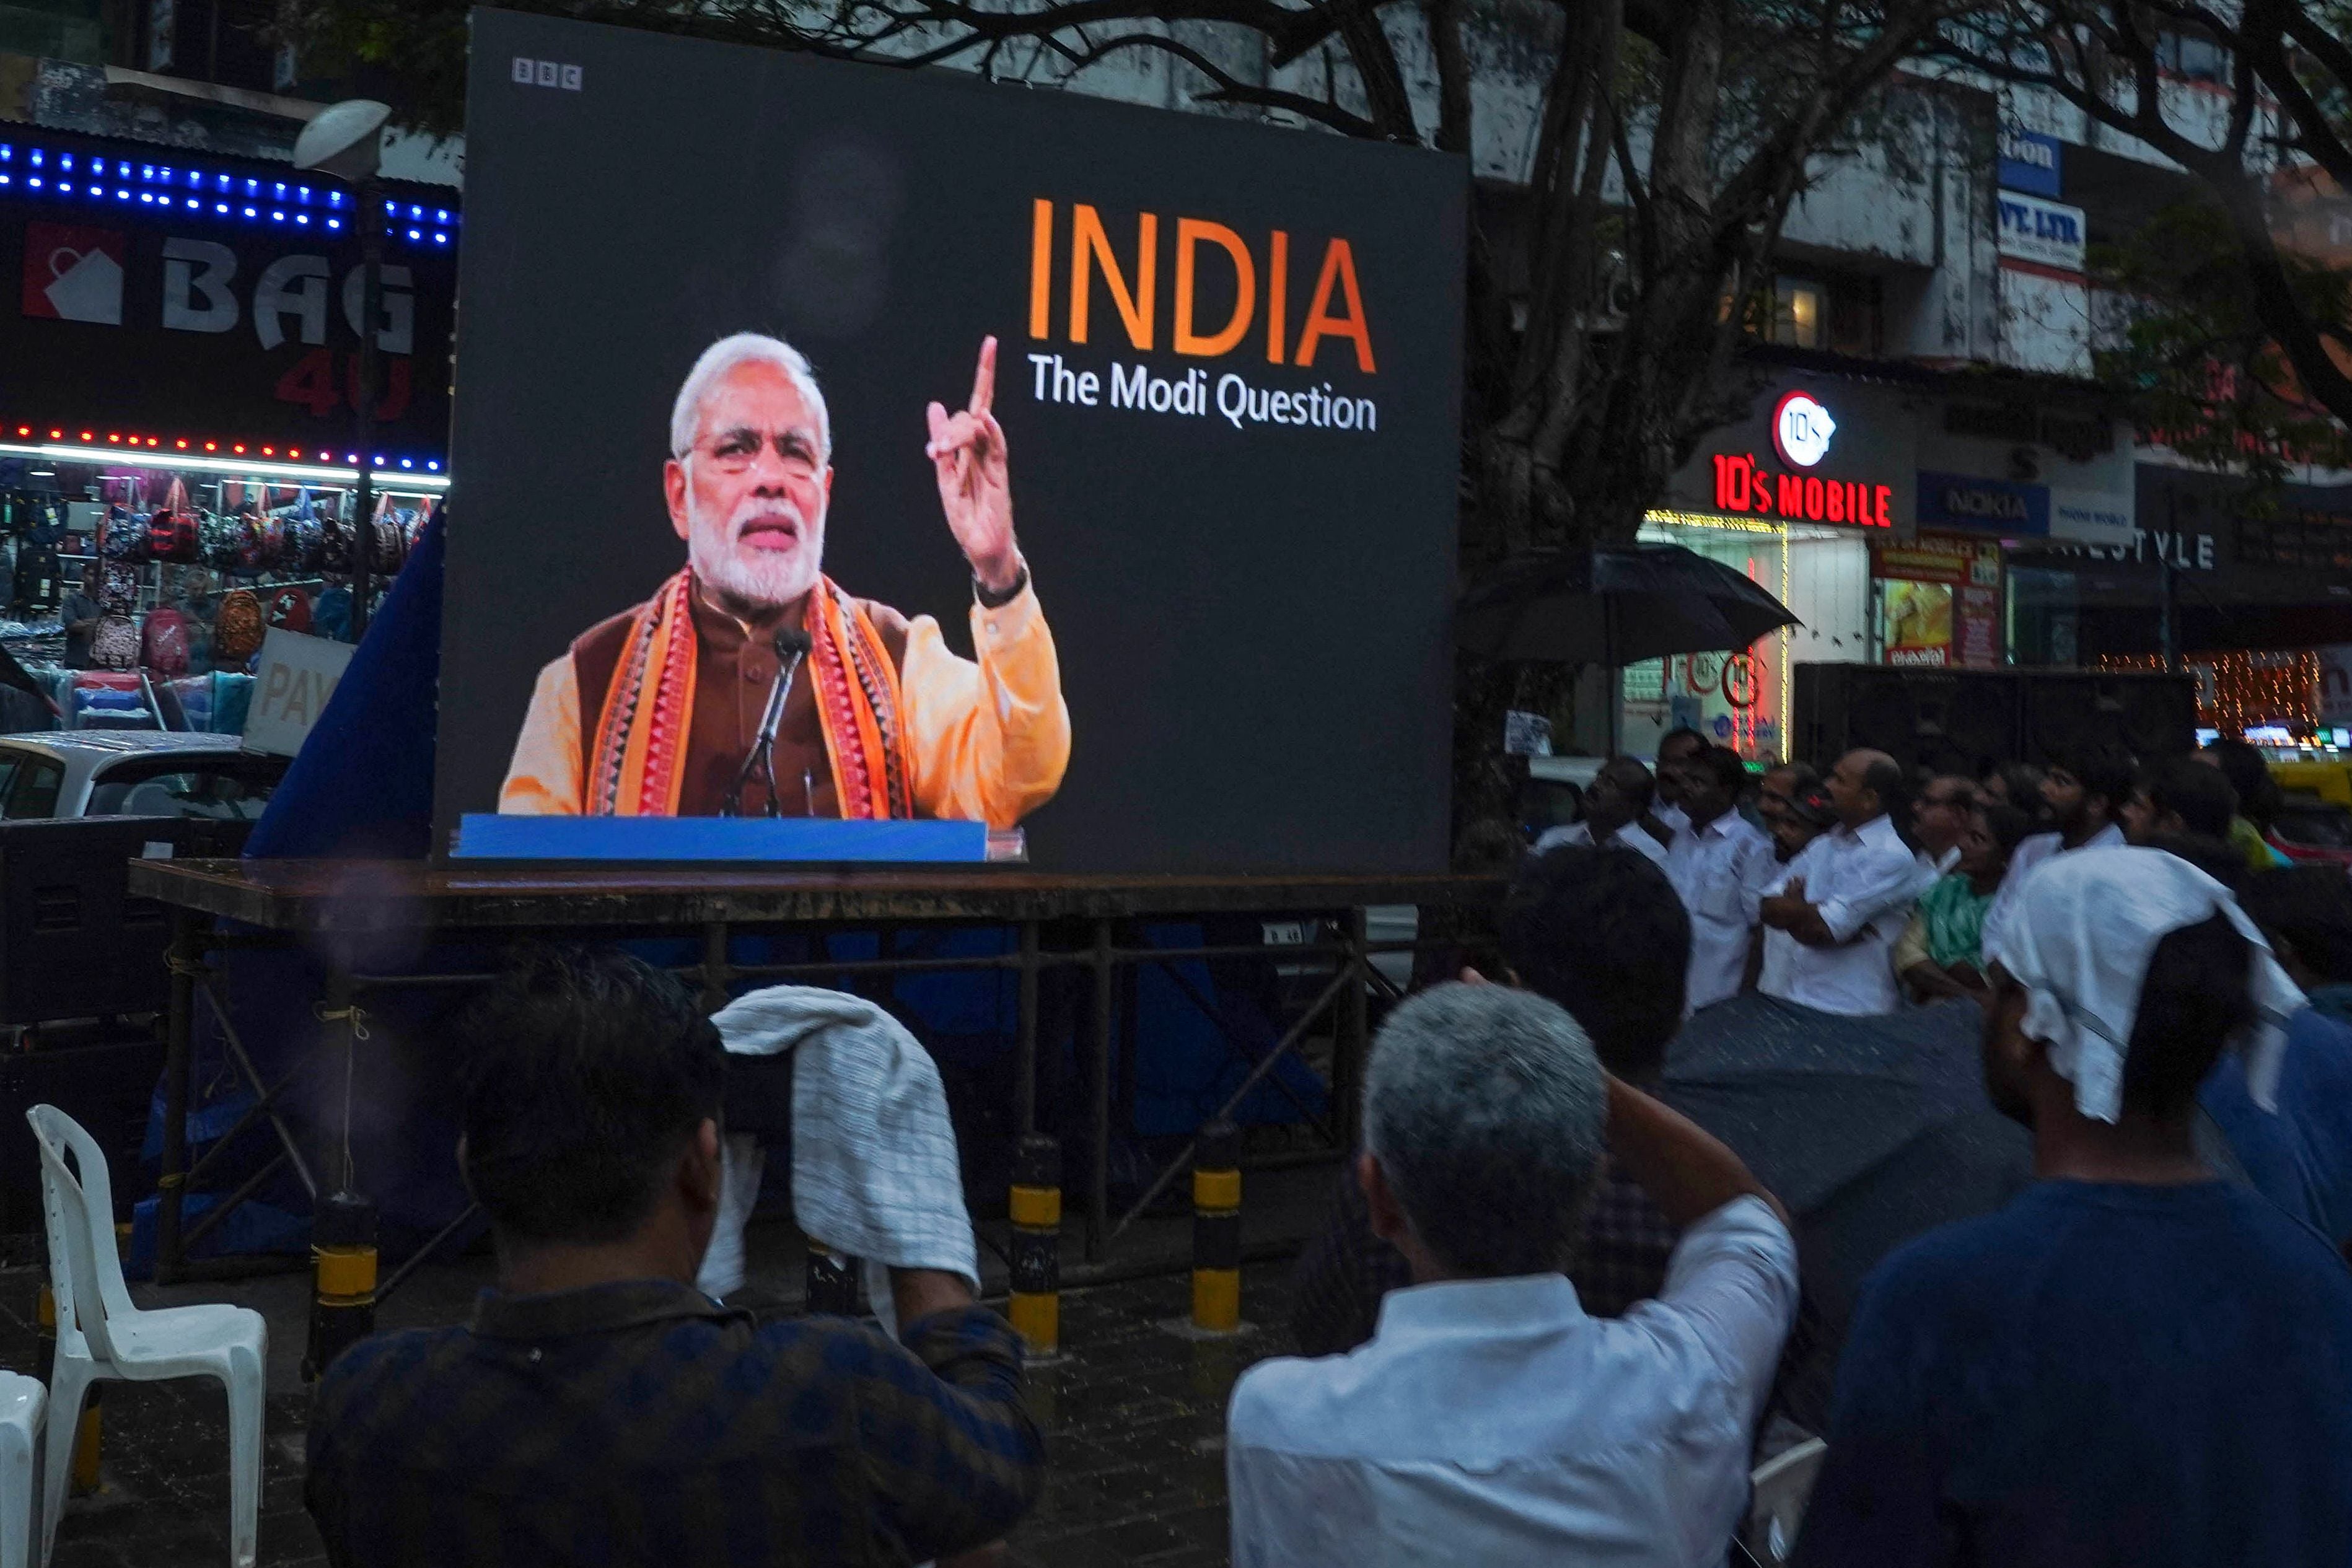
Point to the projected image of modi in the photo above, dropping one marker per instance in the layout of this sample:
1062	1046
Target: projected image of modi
750	683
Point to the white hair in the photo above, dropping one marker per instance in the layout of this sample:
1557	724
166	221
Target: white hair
725	355
1486	1107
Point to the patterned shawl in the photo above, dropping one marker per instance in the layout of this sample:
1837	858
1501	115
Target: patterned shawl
638	765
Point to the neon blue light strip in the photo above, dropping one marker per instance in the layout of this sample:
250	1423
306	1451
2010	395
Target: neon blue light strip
68	176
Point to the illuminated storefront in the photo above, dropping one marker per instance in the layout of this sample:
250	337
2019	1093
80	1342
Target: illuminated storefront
1792	499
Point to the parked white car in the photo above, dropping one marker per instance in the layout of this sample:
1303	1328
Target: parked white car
134	773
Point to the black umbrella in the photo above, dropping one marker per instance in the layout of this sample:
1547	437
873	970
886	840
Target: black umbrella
1871	1131
1615	606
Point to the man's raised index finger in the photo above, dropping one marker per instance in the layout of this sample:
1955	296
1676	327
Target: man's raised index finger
983	378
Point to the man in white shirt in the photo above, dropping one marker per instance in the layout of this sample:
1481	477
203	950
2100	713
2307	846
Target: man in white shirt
1616	813
1831	922
1489	1421
2087	794
1720	865
1678	748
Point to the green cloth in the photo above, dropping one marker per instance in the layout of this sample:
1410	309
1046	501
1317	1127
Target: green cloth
2247	840
1955	913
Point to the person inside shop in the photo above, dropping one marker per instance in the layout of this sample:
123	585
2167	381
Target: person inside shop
1616	813
1832	917
663	710
1941	952
81	613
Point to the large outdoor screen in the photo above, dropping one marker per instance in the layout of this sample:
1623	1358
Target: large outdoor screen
838	442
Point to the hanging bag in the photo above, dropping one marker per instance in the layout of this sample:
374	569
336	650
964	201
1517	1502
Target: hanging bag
237	629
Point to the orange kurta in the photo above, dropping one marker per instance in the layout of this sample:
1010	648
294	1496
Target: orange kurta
986	740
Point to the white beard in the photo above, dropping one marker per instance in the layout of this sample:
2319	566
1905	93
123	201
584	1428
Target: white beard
771	578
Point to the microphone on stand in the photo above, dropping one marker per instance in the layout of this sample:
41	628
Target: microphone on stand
791	647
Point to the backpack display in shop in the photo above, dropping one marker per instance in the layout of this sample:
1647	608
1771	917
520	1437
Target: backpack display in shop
238	629
164	642
172	527
304	547
40	577
290	609
114	642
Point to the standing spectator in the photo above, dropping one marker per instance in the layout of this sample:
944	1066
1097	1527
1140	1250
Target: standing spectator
2085	795
2300	1158
2017	784
79	615
1491	1420
599	1408
1678	746
1804	817
1939	818
2306	912
2133	1365
1832	920
1616	812
1781	783
2242	764
1720	865
1620	978
2180	796
1942	950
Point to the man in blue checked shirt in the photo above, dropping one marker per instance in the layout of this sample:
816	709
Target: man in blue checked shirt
599	1408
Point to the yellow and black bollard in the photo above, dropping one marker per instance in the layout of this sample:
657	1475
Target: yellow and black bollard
342	1256
1035	1308
833	1283
1217	1229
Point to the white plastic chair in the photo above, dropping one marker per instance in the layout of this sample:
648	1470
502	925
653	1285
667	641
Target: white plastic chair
101	1335
22	1400
1781	1485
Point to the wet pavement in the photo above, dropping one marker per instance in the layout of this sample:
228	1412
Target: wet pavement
1134	1414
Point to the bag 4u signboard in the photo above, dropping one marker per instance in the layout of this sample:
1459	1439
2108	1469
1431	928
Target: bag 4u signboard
846	442
189	296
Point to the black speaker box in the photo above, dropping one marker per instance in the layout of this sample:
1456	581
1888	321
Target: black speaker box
1964	721
73	941
2149	716
1945	721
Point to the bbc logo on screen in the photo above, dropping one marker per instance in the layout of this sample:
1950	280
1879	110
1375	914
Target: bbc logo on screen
547	73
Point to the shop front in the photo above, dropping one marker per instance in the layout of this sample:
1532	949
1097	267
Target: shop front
2235	585
1794	499
178	447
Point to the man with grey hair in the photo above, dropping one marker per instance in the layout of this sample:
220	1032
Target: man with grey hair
1490	1420
751	685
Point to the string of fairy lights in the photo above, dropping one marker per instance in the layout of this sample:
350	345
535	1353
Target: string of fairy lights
2241	691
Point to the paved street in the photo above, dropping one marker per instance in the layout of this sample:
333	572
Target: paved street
1134	1416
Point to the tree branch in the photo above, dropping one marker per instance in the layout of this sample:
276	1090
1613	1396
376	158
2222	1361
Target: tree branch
1231	90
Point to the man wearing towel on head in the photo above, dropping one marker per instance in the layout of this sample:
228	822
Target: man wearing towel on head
2134	1362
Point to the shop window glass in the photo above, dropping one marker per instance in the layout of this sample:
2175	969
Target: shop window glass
2193	56
1797	313
1735	699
